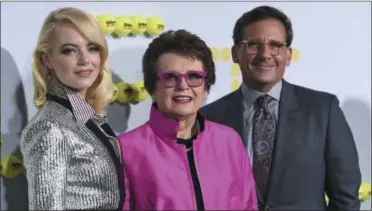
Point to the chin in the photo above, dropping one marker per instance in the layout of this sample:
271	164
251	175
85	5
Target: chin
184	113
265	81
265	78
81	86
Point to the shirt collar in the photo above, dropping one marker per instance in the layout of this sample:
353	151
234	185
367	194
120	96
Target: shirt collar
167	128
81	110
250	95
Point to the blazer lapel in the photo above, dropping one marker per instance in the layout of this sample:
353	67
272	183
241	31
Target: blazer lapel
233	106
114	151
288	118
112	145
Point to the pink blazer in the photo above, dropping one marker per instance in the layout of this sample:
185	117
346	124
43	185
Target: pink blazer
159	174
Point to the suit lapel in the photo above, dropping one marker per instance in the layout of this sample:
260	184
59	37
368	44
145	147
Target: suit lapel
288	118
233	106
114	152
111	145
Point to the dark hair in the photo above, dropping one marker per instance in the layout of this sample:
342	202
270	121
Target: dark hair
180	42
258	14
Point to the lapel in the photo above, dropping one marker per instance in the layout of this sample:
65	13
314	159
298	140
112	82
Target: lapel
233	105
100	131
113	148
288	119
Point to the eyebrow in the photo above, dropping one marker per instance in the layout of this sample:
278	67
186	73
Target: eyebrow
270	40
68	44
74	45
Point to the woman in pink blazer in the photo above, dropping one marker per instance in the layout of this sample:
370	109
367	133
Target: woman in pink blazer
178	160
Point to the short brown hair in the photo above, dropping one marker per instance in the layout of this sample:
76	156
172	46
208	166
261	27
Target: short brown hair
180	42
258	14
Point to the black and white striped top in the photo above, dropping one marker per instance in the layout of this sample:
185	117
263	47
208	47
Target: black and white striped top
82	111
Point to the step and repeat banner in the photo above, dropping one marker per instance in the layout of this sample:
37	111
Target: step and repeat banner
331	52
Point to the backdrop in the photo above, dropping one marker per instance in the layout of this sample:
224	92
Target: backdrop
332	44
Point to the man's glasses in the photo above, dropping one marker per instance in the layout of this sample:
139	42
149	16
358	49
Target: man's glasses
172	79
255	46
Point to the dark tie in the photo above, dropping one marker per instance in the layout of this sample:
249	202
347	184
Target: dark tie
263	143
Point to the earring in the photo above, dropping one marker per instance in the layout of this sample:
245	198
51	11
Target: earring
49	73
206	93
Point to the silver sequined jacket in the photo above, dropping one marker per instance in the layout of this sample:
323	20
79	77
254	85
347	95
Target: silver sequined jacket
71	156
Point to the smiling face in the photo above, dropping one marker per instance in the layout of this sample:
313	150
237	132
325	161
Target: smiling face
73	59
182	98
267	65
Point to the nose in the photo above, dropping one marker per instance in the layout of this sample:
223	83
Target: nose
182	84
83	59
265	52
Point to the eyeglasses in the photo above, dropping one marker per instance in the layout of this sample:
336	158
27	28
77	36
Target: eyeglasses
172	79
254	46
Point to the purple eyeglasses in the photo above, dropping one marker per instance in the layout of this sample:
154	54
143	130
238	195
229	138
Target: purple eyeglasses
172	79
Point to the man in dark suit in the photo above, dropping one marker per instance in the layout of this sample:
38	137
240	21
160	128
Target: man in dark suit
299	142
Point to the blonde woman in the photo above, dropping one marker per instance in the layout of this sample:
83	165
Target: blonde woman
70	153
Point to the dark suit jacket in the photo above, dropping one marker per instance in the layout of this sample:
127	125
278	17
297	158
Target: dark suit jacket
314	150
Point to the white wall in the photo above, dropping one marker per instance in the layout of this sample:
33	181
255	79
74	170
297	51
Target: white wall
334	41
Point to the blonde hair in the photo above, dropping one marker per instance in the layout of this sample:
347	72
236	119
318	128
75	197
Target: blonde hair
100	93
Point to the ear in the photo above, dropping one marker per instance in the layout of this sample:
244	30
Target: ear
46	61
154	96
289	56
234	53
206	93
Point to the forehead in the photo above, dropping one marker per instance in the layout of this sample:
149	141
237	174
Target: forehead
68	33
177	63
267	29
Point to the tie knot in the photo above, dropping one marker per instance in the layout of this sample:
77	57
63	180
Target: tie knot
263	101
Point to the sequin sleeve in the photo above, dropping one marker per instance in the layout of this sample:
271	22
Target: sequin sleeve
45	153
